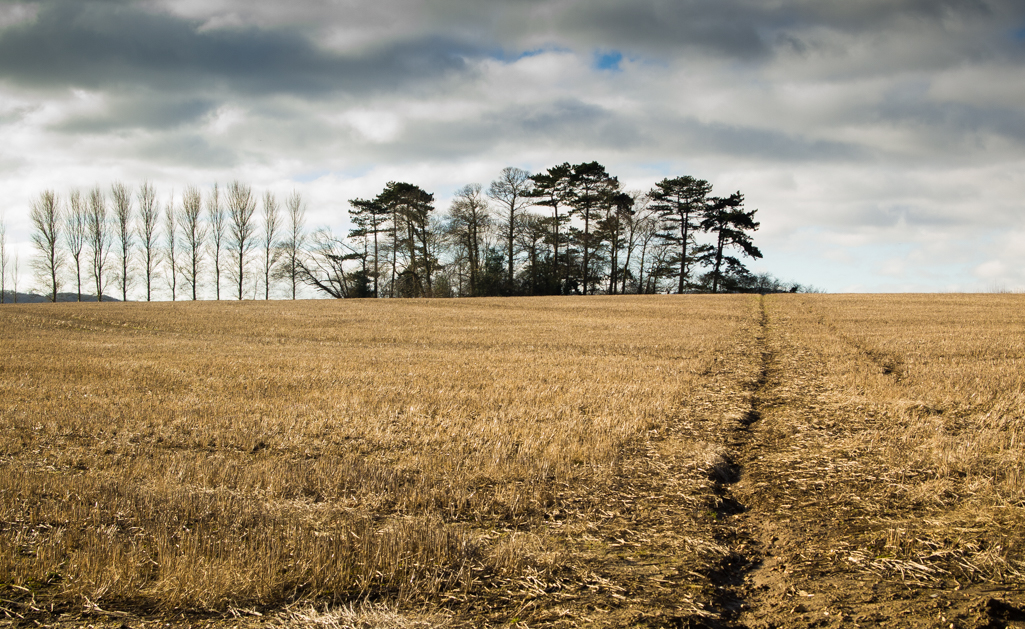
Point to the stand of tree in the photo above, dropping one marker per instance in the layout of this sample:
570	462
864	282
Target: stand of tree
571	229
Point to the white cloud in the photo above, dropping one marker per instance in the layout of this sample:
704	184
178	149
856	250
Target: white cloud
13	14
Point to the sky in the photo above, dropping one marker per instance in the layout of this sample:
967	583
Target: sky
882	142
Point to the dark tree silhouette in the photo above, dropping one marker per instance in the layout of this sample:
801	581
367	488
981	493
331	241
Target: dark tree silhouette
411	208
553	189
370	217
680	203
618	208
591	186
729	223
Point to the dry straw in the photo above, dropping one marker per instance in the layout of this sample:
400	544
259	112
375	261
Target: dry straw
225	455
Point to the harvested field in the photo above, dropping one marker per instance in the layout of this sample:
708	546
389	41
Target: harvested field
679	461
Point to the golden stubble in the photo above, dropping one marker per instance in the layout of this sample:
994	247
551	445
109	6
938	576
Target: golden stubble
904	417
206	455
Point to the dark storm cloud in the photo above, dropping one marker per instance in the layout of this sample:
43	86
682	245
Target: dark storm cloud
188	149
719	27
910	107
154	112
99	44
104	44
569	120
571	123
745	142
740	29
574	125
565	124
752	29
872	16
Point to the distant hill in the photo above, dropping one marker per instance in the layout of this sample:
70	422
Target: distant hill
33	298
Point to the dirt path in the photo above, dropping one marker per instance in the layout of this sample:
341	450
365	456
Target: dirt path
736	529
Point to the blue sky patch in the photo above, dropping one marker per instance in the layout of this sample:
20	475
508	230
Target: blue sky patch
608	60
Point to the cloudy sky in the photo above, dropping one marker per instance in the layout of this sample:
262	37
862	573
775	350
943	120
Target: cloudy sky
882	141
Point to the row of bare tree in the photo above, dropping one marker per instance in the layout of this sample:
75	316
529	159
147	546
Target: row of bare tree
571	229
127	239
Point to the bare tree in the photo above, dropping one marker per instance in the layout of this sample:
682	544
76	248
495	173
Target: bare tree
149	218
661	266
294	243
511	192
241	230
171	247
468	226
634	224
76	233
646	230
14	277
122	198
325	268
45	215
195	236
215	212
271	251
4	258
99	238
531	232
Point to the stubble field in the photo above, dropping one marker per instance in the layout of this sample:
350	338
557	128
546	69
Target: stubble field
679	461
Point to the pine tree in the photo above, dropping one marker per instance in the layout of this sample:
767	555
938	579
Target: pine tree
680	203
